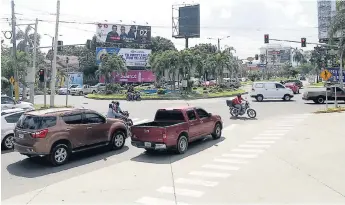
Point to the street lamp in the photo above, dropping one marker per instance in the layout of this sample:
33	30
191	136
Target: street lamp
218	40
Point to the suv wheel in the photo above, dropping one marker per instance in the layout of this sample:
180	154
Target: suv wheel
320	100
286	97
118	140
7	142
59	154
217	132
182	144
81	93
259	98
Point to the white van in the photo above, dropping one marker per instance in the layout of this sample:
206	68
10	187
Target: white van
270	90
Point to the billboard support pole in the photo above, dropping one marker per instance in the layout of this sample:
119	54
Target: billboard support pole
187	41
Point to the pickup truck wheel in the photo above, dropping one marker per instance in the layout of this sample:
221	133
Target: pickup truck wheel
217	132
59	154
259	98
94	92
81	93
182	144
118	140
320	100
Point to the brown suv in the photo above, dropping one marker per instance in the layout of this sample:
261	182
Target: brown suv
56	133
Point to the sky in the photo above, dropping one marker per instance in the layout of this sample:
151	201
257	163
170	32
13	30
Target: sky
245	21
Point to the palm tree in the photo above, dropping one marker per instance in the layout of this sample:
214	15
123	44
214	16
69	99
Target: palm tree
110	64
298	56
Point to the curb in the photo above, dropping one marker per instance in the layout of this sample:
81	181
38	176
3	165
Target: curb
195	98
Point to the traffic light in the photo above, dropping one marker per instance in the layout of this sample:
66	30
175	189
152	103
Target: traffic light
303	42
41	75
256	57
267	38
59	45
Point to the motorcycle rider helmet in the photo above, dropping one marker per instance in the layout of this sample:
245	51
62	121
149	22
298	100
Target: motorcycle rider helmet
239	95
117	103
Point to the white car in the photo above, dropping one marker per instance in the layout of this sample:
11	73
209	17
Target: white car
86	89
8	103
270	90
64	91
9	118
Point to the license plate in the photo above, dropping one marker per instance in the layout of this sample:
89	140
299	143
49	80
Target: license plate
21	135
147	144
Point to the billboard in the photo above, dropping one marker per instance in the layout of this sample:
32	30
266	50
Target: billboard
119	33
132	76
326	9
189	21
74	78
132	57
335	74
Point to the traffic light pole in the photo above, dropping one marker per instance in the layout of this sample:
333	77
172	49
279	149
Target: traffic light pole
53	76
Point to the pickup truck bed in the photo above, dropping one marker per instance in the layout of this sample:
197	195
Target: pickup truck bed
175	129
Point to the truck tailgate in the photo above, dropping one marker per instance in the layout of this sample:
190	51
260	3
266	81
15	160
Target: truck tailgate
147	134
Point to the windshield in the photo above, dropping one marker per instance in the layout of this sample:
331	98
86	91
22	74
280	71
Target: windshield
32	122
73	86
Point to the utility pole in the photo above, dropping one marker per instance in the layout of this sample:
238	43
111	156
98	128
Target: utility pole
341	50
53	77
218	41
33	71
14	54
67	60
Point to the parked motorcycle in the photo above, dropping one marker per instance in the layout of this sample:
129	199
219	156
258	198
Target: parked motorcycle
245	109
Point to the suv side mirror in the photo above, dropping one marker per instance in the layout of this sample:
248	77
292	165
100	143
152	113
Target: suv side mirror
209	114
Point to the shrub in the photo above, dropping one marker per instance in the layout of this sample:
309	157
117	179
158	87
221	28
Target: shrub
204	88
112	88
194	88
161	92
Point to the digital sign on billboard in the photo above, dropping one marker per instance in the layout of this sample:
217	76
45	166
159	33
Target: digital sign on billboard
119	33
132	57
189	21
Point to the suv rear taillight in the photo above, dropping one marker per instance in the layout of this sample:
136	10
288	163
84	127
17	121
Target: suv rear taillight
40	134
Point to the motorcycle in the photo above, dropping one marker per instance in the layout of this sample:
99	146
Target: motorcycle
127	120
246	109
134	96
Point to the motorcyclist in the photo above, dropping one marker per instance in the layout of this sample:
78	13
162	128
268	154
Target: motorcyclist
130	91
117	110
111	112
237	102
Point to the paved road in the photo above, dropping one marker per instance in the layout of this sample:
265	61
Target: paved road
289	161
19	175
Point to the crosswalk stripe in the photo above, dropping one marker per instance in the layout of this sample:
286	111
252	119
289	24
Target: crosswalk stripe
196	182
220	167
181	192
230	161
156	201
246	156
261	142
210	174
248	150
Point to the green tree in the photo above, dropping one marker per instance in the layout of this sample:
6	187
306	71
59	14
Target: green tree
110	64
159	44
298	56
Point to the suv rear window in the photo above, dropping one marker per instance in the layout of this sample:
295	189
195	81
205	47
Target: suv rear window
167	115
32	122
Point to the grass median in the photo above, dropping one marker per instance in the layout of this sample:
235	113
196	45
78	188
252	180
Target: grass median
168	96
331	110
317	85
42	107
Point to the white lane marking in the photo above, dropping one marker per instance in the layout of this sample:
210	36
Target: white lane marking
261	142
210	174
156	201
248	150
141	121
255	145
196	182
272	134
230	161
220	167
230	127
274	131
246	156
266	138
181	192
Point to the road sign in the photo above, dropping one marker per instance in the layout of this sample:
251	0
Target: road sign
335	74
325	74
12	80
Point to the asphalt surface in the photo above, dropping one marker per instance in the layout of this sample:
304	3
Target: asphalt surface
20	175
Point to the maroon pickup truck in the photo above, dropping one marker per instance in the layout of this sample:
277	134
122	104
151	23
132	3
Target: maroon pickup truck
175	128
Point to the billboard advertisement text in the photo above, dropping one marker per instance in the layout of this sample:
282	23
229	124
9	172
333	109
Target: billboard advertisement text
118	33
132	76
132	57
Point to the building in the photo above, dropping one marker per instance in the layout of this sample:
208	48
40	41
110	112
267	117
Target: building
277	54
